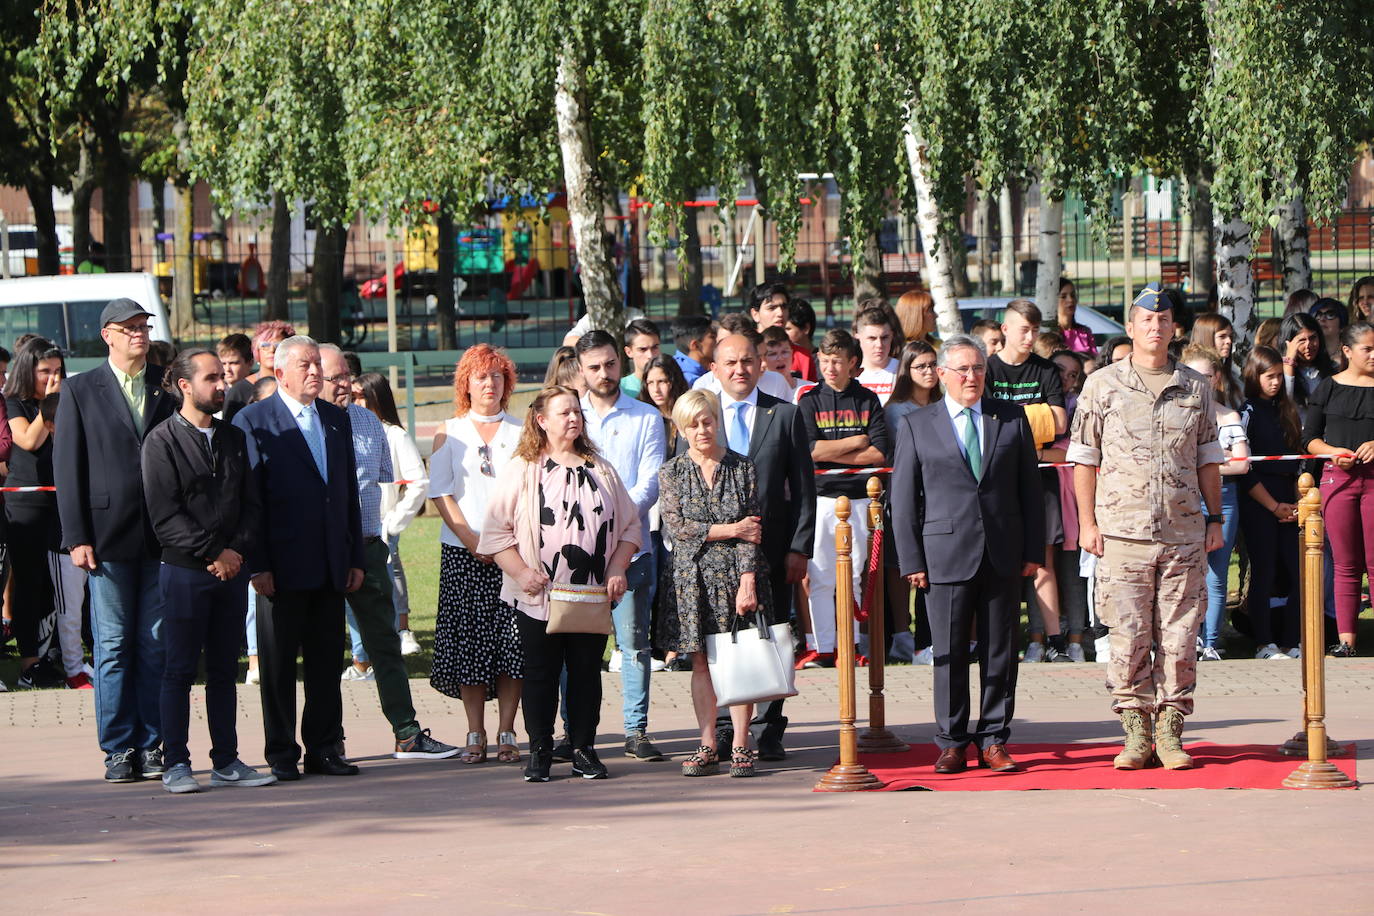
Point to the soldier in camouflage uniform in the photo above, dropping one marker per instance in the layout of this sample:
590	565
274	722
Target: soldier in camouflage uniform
1145	444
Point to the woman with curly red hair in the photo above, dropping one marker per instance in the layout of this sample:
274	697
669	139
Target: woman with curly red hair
477	653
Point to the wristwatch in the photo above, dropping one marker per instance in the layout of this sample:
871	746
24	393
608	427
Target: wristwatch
1215	519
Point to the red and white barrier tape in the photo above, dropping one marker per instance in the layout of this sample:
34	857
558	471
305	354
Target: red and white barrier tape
851	472
28	489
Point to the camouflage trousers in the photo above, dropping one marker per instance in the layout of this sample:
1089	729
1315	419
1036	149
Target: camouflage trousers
1152	596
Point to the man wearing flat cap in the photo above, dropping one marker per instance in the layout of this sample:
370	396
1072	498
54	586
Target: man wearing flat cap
1148	484
104	416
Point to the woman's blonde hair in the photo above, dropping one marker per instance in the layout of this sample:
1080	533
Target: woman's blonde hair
692	405
533	439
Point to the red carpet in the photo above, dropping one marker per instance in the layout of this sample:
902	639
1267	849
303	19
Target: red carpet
1089	766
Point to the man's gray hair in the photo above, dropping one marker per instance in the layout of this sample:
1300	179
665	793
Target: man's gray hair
291	343
960	342
332	348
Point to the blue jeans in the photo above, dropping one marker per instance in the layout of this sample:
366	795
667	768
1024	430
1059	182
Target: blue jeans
631	617
251	622
1219	562
126	623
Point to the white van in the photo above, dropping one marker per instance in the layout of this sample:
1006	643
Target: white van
66	309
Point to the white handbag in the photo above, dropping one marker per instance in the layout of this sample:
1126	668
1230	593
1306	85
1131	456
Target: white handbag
751	666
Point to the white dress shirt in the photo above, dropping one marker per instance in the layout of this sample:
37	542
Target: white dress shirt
750	408
630	436
956	411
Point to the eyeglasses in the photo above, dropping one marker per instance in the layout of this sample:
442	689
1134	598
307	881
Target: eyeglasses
484	451
338	379
138	330
923	367
1326	316
967	371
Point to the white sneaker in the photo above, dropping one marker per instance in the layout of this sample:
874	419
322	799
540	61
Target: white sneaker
1076	652
615	661
1102	649
925	657
90	672
657	664
1209	654
254	676
903	647
1035	652
3	687
1295	652
409	644
1270	651
351	673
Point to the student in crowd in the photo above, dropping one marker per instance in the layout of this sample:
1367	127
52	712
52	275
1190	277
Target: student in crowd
477	653
915	310
371	612
1339	423
1332	318
1047	343
990	333
104	415
629	434
777	355
801	325
641	344
1215	331
663	386
1077	337
1234	442
235	353
1305	362
1299	300
401	503
1018	375
266	336
587	530
917	386
768	306
1115	349
712	511
1267	334
771	383
695	340
33	529
845	423
877	370
1361	301
563	370
1073	587
1269	504
204	508
263	389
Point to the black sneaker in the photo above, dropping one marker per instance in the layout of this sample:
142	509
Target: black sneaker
540	761
420	746
638	745
587	765
563	753
119	766
150	763
1341	650
41	675
725	736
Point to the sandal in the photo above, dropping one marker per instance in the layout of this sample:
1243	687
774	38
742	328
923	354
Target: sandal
703	762
742	762
476	750
507	747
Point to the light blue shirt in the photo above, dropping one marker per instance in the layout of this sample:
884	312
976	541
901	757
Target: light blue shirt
960	422
372	456
630	437
310	429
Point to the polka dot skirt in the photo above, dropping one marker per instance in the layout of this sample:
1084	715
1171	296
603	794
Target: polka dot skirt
475	639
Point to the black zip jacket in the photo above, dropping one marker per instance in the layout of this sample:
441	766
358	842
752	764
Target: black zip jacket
198	493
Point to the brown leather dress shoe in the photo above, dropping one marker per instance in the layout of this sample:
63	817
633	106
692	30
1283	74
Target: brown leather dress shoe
995	757
952	760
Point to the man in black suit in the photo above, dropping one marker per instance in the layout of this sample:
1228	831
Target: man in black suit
969	520
770	433
307	553
104	415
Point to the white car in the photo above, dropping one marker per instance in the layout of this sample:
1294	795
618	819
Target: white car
66	309
974	310
21	240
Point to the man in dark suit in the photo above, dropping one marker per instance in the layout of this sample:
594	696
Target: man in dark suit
969	521
104	415
307	553
770	433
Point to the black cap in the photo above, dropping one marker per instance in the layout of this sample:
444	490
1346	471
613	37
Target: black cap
121	310
1152	299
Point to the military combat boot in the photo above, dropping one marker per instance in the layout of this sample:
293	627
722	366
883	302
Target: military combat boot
1168	743
1137	752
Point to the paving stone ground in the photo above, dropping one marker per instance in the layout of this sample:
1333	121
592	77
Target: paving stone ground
407	836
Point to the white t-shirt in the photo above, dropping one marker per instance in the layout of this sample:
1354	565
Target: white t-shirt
880	381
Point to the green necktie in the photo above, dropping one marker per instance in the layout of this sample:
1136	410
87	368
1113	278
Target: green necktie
974	452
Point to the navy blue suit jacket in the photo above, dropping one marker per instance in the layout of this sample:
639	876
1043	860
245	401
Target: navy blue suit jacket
310	532
943	519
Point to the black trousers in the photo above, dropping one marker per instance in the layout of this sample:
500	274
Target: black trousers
1273	549
311	624
546	655
994	603
201	612
29	533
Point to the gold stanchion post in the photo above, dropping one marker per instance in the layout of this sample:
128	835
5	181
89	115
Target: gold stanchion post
876	739
849	775
1316	772
1296	746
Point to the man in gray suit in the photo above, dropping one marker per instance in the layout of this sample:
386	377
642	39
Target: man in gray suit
969	522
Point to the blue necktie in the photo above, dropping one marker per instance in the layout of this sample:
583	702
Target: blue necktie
738	435
313	439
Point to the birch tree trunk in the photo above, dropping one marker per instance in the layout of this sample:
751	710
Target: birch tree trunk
183	260
1201	241
279	261
1292	246
586	197
938	274
868	280
1050	254
1007	256
1235	283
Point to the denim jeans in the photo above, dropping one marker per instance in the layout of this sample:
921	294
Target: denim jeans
126	622
250	625
1219	562
631	617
